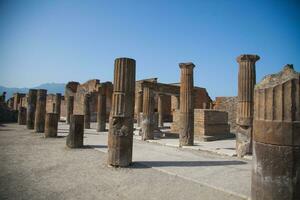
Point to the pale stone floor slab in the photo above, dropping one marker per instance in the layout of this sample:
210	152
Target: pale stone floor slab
33	167
209	166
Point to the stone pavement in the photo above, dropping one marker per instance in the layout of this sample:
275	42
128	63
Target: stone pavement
224	173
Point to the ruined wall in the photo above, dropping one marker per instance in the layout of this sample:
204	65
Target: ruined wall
91	87
50	102
228	104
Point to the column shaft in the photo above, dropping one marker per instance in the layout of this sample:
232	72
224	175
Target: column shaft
148	114
31	106
40	113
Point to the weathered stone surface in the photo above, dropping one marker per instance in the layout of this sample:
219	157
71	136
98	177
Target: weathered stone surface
86	111
120	135
186	134
76	131
57	104
148	114
70	106
211	125
31	106
51	125
247	80
228	104
17	99
40	113
22	116
101	114
276	153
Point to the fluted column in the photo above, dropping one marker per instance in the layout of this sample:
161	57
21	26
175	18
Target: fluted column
31	106
139	107
276	137
40	113
86	111
57	104
246	82
186	135
70	107
148	114
120	135
101	109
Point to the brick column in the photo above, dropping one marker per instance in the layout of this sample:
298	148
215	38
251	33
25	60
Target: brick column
31	105
101	109
120	135
139	107
160	111
276	137
76	132
246	79
148	114
86	111
40	113
70	107
57	104
51	125
186	135
22	115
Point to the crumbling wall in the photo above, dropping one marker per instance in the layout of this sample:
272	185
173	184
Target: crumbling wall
228	104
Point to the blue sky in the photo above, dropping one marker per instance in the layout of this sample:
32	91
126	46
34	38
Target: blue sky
58	41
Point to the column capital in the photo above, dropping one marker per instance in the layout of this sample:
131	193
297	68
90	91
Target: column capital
247	58
188	65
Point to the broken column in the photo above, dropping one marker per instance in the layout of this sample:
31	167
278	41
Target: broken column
160	106
101	109
120	135
76	131
22	115
86	111
139	107
40	113
148	114
70	107
31	106
246	82
186	134
276	137
57	104
51	125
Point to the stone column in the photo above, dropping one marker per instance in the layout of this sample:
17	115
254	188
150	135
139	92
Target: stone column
70	107
22	116
57	104
76	131
246	82
16	101
40	113
160	111
148	114
276	137
139	107
120	135
101	109
86	111
186	134
31	105
51	125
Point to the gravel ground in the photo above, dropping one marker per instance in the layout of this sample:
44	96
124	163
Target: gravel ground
32	167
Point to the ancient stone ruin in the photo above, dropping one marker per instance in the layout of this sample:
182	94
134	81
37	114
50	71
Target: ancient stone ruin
276	134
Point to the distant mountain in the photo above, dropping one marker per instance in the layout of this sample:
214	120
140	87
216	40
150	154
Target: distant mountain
50	87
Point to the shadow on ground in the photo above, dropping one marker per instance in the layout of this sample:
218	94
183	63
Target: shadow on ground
149	164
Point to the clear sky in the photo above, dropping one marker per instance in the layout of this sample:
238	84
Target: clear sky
58	41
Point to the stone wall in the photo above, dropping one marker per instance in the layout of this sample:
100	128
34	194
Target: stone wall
228	104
